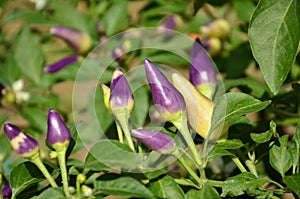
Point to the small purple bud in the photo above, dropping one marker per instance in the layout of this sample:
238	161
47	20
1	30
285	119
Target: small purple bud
169	22
6	191
202	72
118	52
120	92
100	27
57	66
155	140
168	101
79	41
58	133
22	143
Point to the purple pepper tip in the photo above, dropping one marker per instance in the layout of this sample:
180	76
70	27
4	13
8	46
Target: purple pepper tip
155	140
6	191
202	70
168	101
59	65
58	133
120	93
22	143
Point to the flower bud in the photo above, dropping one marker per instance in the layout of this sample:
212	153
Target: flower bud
213	45
81	178
169	22
155	140
202	72
87	191
57	66
120	93
6	191
218	28
22	143
79	41
106	95
168	101
199	108
118	52
58	135
100	27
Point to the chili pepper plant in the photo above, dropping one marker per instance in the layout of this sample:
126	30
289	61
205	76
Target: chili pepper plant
149	99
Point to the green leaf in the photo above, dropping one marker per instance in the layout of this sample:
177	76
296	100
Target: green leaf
36	117
274	34
215	152
24	175
207	192
166	187
280	158
115	18
111	154
29	56
236	104
257	87
53	193
244	9
266	136
229	144
293	182
141	106
295	148
9	73
124	186
67	15
104	116
241	184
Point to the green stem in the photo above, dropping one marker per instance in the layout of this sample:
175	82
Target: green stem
187	167
277	184
38	162
1	197
215	183
78	191
123	121
238	163
120	133
183	128
61	156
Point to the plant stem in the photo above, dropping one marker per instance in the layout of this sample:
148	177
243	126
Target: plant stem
183	128
78	191
123	121
1	197
120	133
36	159
61	156
215	183
187	167
238	163
277	184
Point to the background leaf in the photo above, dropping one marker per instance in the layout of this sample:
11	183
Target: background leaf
24	175
280	158
115	18
274	34
241	184
207	192
236	104
166	187
53	193
124	186
293	182
111	153
29	56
